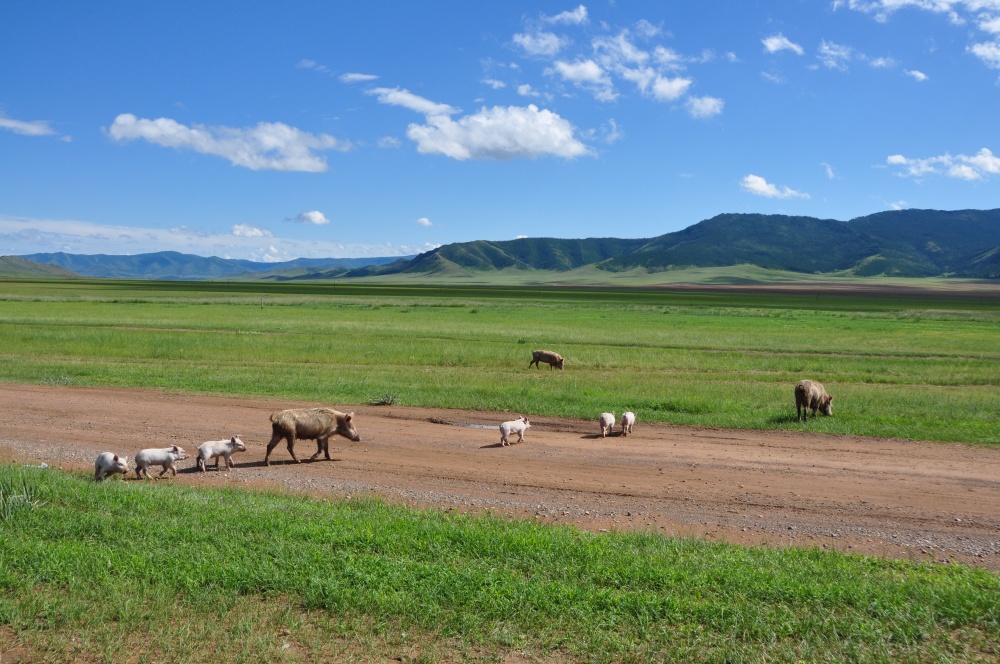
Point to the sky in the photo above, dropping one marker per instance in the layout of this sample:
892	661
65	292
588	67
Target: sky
276	130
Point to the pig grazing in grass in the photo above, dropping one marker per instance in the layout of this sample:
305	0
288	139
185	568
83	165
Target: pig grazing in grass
810	395
628	421
160	456
514	426
109	463
554	360
607	422
310	424
214	449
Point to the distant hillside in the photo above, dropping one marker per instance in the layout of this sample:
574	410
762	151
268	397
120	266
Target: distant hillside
15	266
904	243
172	265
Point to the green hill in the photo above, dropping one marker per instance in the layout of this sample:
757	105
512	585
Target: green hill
14	266
904	243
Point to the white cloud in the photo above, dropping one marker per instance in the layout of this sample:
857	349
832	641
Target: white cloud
314	217
406	99
357	78
305	63
669	89
539	43
773	78
246	230
526	90
984	14
834	56
758	186
882	63
389	142
704	107
498	133
917	75
424	221
988	52
828	169
898	205
19	236
494	83
588	75
29	128
520	237
962	167
266	146
576	16
779	42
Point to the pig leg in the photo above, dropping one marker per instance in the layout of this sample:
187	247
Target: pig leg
326	448
217	461
319	448
275	439
229	461
291	449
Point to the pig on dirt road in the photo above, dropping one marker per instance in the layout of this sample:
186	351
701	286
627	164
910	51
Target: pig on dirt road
810	395
553	359
159	456
628	421
607	422
214	449
310	424
109	463
514	426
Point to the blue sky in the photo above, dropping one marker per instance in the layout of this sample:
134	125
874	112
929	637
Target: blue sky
271	131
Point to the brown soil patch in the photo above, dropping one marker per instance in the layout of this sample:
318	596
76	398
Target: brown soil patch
892	498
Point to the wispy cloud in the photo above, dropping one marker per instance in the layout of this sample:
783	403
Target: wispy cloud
539	43
266	146
962	167
576	16
352	77
423	221
758	186
834	56
406	99
917	75
704	107
27	128
779	42
983	14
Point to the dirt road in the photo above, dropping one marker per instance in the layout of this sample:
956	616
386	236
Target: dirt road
891	498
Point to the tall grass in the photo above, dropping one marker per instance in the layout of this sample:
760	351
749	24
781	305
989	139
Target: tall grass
101	567
905	367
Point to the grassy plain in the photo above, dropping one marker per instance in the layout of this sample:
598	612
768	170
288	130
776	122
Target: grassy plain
911	365
159	572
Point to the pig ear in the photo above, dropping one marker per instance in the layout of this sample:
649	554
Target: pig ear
350	415
116	458
233	439
829	400
175	449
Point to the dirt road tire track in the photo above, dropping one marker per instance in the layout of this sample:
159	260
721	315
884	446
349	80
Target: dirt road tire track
914	500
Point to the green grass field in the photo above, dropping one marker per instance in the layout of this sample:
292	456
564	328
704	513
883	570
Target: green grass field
911	366
159	572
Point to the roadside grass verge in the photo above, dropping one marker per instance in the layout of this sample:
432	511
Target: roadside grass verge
158	572
909	367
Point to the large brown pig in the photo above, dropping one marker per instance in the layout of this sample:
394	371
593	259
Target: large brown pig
549	357
310	424
811	395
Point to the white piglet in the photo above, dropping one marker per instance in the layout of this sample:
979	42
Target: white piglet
607	422
514	426
109	463
628	421
214	449
158	456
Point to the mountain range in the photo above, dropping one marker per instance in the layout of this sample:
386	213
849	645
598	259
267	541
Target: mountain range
903	243
171	265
